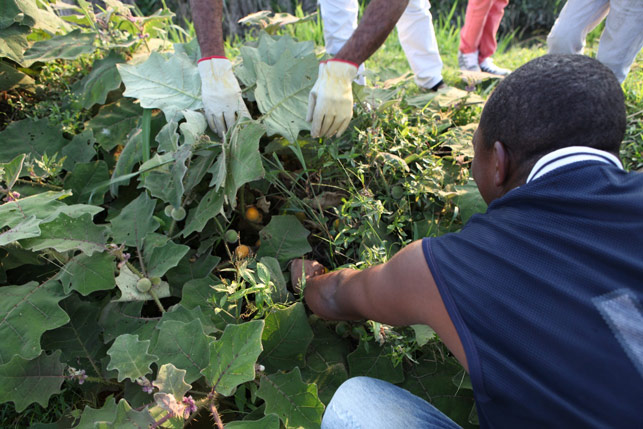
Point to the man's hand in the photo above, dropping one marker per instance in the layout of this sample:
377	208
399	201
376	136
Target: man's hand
221	94
301	269
330	103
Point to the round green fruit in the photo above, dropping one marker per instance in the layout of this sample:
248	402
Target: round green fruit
156	281
143	285
168	211
178	213
231	236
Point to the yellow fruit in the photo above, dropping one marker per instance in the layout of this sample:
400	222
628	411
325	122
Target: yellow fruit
241	251
253	215
336	224
301	216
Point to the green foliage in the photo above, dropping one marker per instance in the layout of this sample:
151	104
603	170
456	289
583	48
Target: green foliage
129	357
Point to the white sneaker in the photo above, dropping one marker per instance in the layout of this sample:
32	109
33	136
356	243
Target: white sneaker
488	66
468	62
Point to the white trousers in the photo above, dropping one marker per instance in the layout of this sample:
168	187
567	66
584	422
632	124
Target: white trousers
620	42
415	31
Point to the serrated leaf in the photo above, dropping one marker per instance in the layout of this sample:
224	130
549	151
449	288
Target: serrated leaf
171	380
130	357
34	137
26	229
128	418
423	334
26	312
200	293
103	79
126	282
83	179
271	421
284	238
185	346
114	122
40	205
233	357
68	46
295	402
24	382
209	206
163	258
79	339
11	170
374	362
80	150
68	233
181	314
282	94
168	138
285	338
135	221
194	127
107	413
171	85
469	200
87	274
125	318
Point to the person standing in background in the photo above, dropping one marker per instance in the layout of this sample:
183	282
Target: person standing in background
620	42
478	36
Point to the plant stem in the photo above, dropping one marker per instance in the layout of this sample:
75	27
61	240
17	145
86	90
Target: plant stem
44	185
156	300
215	414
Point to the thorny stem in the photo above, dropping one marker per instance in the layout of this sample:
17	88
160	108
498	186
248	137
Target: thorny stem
165	418
215	414
134	269
43	184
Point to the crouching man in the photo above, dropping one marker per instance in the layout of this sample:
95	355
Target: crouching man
540	297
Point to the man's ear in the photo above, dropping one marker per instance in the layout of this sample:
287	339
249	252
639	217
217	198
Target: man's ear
501	163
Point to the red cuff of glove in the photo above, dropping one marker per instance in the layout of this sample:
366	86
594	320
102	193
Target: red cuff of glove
343	61
212	57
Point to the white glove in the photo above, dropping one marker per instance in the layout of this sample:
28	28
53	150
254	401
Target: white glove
221	94
330	103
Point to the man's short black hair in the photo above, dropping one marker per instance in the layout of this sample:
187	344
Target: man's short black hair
552	102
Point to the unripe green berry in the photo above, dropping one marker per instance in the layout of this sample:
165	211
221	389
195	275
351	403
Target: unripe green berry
156	281
168	210
143	285
231	236
178	213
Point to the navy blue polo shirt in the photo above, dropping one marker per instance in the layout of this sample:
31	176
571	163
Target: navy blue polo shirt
545	291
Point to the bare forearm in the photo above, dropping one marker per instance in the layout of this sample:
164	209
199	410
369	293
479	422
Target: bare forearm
377	23
324	295
207	16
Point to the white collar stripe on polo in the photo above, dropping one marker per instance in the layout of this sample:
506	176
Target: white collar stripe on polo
569	155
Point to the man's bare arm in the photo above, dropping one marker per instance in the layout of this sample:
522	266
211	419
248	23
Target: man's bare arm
399	292
208	23
377	23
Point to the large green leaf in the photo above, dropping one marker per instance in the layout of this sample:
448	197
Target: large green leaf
295	402
26	229
282	94
25	313
68	46
24	382
10	14
131	155
13	42
171	380
80	339
11	77
209	206
107	413
87	274
284	238
119	318
135	221
431	378
185	346
200	293
160	259
81	149
68	233
233	357
114	121
130	357
469	200
10	171
84	178
269	51
240	160
374	361
44	19
128	418
32	137
276	278
181	314
285	338
171	85
166	181
103	78
40	205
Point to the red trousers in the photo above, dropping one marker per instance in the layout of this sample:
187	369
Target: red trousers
480	27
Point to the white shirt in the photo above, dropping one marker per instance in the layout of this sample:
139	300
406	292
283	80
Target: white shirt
569	155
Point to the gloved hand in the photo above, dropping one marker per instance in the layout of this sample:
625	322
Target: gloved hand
221	94
330	103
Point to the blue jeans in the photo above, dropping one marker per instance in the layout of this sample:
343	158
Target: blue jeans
368	403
